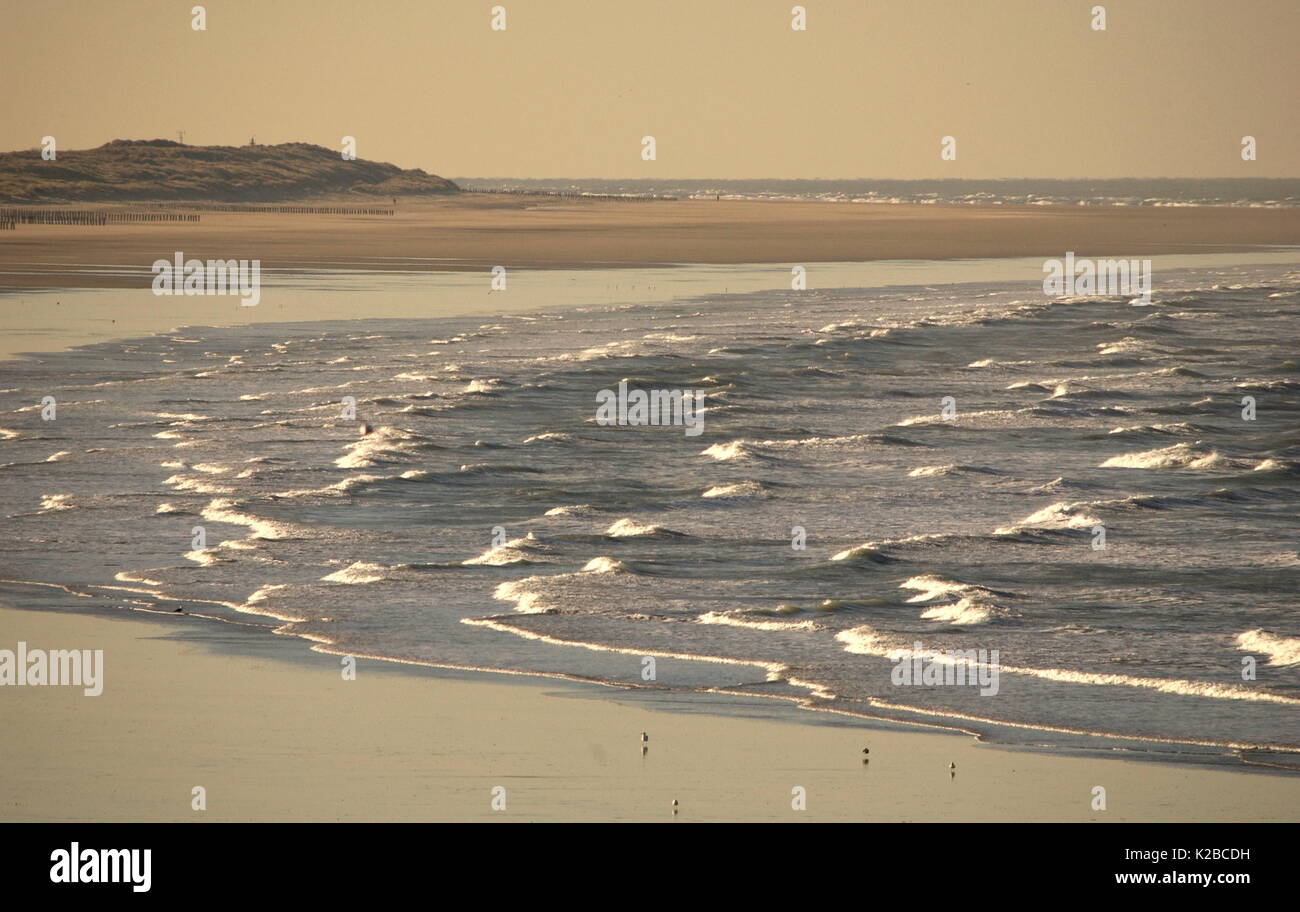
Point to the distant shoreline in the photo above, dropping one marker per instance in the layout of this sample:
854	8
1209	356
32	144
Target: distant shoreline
476	231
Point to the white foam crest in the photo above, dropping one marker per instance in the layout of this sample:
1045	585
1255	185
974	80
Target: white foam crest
358	573
382	443
1056	516
868	550
225	510
526	600
1272	465
515	551
729	619
1127	345
930	587
604	564
967	611
1181	427
1281	650
735	449
346	486
630	528
1178	456
196	485
961	417
571	510
866	641
949	469
551	437
738	489
135	576
51	503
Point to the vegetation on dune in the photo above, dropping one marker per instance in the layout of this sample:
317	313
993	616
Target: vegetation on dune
160	169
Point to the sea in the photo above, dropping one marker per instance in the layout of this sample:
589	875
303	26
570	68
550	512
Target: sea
1167	191
1094	495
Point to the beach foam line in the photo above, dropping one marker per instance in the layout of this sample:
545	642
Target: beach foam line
864	640
774	670
734	620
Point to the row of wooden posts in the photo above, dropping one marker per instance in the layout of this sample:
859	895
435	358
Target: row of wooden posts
13	217
283	210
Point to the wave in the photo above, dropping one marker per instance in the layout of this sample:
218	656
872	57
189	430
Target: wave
135	576
736	449
346	486
225	510
196	485
870	552
358	573
1278	466
552	437
738	619
1127	345
571	510
737	489
1056	517
628	528
928	587
1058	484
383	444
53	503
1178	456
1181	427
487	468
865	640
950	469
1281	650
605	565
526	600
967	611
750	449
516	551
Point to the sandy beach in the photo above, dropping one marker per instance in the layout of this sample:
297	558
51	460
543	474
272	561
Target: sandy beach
558	250
477	231
272	732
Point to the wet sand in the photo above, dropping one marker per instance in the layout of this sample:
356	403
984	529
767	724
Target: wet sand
478	231
272	732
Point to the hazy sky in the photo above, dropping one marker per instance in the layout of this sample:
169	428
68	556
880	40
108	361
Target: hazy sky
728	89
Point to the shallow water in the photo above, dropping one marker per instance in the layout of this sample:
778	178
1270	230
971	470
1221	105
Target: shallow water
620	543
